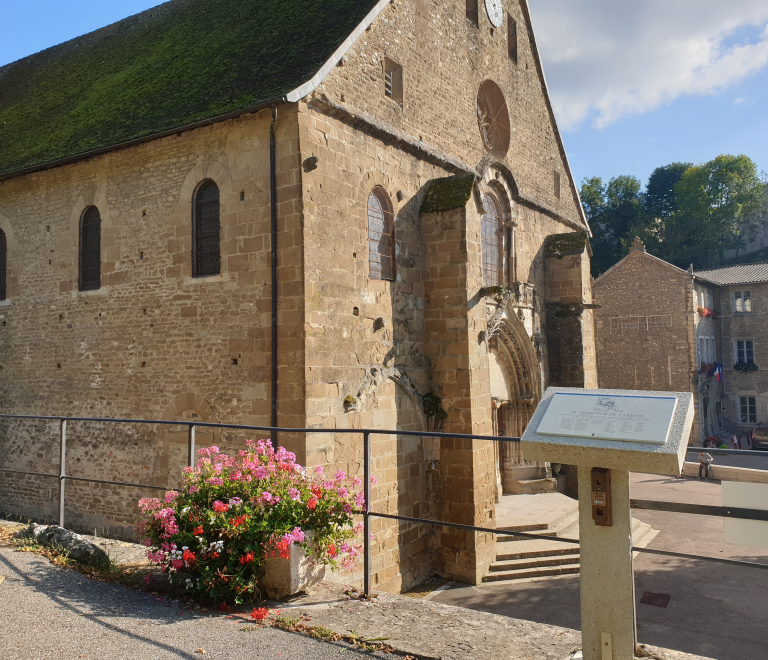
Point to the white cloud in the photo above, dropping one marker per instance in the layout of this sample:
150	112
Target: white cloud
609	59
738	101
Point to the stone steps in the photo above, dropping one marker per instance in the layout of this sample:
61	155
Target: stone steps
535	554
523	574
500	566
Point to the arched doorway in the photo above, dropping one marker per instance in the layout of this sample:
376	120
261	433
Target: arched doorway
515	379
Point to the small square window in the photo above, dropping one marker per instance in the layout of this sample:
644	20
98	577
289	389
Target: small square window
742	301
748	409
393	81
512	39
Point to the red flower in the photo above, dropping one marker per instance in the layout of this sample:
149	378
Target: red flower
312	503
188	557
282	547
332	550
220	507
317	491
259	614
224	608
246	558
240	520
198	531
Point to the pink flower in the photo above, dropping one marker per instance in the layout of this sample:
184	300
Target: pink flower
235	501
261	472
193	490
340	476
319	470
216	481
374	480
356	482
147	504
177	564
219	507
296	536
267	498
342	491
360	500
188	469
294	494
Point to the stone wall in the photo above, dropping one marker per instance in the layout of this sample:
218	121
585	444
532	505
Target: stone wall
646	329
153	342
444	59
752	326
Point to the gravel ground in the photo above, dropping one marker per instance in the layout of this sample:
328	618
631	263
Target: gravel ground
52	613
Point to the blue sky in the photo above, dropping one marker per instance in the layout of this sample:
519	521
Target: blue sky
631	91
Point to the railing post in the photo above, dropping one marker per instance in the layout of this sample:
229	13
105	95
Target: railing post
191	446
366	517
63	467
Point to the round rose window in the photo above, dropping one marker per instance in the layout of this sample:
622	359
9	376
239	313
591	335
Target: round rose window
493	119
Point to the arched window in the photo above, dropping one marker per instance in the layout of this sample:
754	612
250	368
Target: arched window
381	235
492	238
206	255
90	250
3	263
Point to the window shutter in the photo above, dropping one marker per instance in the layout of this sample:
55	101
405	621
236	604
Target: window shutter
393	81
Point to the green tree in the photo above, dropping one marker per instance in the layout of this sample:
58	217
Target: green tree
612	210
660	198
720	204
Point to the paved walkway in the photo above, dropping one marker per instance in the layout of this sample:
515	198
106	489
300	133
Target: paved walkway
52	613
716	611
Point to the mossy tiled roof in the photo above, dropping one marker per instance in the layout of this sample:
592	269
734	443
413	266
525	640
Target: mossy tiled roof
182	62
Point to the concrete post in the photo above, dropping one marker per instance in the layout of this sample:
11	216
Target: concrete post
607	580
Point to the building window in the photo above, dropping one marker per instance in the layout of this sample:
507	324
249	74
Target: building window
512	39
707	350
90	250
3	263
472	12
742	301
557	185
393	81
745	352
748	409
492	241
381	235
206	253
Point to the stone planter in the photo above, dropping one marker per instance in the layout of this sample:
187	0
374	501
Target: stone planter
285	577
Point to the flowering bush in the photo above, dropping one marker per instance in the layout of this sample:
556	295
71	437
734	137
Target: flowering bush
233	513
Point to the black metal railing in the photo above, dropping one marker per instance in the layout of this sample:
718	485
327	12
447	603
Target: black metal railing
732	512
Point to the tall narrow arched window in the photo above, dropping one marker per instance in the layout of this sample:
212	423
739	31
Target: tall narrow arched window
381	235
492	239
3	263
206	240
90	250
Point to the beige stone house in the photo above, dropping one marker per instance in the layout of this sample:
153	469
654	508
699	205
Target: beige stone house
304	214
654	332
742	303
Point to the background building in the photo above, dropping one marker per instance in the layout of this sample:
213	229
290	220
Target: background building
655	331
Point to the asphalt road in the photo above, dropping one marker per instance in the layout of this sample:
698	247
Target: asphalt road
715	611
734	460
52	613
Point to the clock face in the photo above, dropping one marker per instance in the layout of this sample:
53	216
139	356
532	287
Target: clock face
495	12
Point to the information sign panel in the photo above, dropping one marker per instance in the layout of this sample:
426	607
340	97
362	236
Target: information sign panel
646	419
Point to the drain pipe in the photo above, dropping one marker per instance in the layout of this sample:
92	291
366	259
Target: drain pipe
273	212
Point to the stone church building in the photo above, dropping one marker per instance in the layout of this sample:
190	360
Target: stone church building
326	214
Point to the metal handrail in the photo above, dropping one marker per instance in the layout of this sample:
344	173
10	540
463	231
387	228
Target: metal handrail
752	514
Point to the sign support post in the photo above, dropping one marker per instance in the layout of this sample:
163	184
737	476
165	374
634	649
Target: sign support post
607	434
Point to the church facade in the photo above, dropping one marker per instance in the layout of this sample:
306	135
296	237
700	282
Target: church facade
331	215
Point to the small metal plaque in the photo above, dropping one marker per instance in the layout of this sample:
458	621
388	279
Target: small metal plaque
646	419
